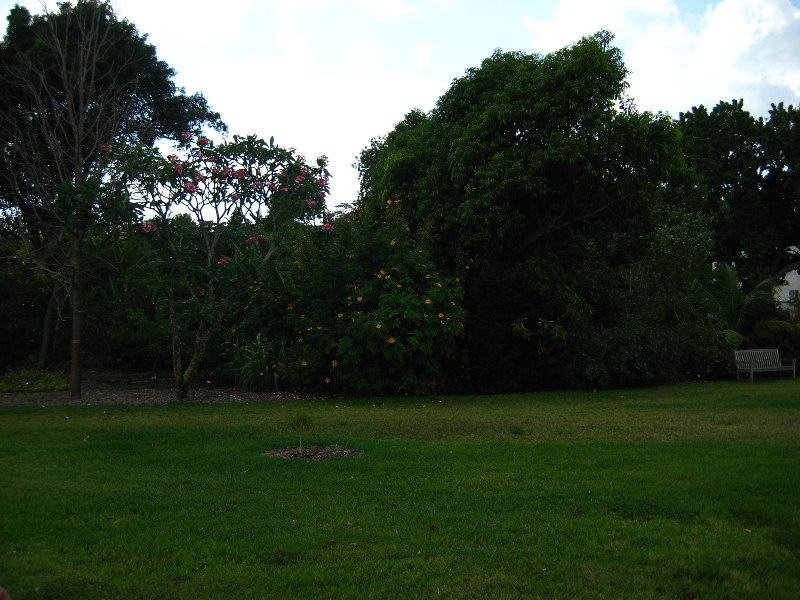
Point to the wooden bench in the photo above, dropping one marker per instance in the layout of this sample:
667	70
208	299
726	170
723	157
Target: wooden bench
762	361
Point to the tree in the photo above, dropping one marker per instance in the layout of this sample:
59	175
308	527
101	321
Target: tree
73	82
538	169
521	148
219	215
747	172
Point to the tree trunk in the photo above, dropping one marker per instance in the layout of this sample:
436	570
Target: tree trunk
181	387
76	297
48	325
200	343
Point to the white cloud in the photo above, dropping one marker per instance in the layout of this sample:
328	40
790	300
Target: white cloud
736	49
422	54
386	9
573	19
173	26
380	9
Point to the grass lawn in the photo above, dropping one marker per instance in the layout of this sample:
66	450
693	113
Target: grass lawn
689	491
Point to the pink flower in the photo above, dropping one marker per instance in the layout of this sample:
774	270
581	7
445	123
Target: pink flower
239	173
273	187
186	135
203	141
311	202
322	182
178	168
235	197
106	147
284	189
252	240
223	261
199	177
327	227
190	187
147	227
299	178
322	160
257	185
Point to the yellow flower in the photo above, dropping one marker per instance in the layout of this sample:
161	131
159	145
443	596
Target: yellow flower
391	243
304	364
359	298
309	328
233	330
390	340
377	326
327	380
339	315
398	285
441	315
334	363
428	301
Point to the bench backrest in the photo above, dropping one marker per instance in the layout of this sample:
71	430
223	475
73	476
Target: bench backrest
760	358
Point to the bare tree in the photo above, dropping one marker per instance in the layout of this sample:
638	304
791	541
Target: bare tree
74	82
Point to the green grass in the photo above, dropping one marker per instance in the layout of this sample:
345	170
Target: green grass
33	380
672	492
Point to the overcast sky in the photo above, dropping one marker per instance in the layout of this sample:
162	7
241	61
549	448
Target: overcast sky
326	76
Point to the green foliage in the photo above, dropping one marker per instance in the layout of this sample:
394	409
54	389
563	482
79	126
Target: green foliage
222	213
23	298
747	171
258	363
523	150
33	380
365	310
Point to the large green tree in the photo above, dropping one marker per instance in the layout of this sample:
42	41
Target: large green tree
72	82
521	148
539	174
747	174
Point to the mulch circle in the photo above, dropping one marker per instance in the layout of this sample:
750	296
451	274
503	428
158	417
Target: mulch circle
314	452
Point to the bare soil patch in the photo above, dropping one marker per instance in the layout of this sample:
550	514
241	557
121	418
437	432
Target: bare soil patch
112	387
314	452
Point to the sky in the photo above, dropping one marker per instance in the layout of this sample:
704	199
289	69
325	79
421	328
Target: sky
328	76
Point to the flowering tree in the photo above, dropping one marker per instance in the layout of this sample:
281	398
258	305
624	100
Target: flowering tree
212	216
